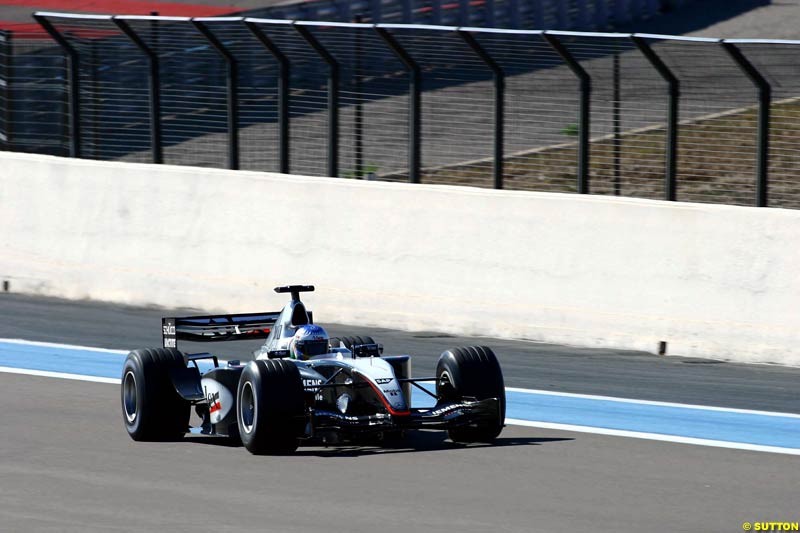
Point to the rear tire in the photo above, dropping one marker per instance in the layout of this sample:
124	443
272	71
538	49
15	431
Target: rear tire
152	410
472	371
349	342
270	406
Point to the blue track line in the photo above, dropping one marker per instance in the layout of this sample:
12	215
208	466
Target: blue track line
69	360
711	424
776	430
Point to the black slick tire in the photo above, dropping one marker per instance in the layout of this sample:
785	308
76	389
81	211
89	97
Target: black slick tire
349	342
152	410
270	406
472	372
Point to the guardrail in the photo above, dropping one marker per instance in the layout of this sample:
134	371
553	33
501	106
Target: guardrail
641	115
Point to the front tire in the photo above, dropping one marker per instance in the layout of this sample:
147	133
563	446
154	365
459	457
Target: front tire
152	410
270	406
473	372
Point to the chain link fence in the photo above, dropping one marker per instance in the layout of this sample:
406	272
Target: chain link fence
33	94
647	116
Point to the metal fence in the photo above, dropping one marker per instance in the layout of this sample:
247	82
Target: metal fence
639	115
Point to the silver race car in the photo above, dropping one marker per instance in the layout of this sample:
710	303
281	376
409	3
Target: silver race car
302	387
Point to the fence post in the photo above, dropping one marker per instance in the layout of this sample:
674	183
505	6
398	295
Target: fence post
233	92
333	97
671	171
764	103
585	108
73	86
6	54
499	100
414	105
154	78
283	94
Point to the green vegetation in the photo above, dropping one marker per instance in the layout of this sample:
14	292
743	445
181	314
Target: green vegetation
368	169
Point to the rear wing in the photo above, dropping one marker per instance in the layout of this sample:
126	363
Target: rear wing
216	328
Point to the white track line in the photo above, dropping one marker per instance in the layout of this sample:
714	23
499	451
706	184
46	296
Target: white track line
63	346
61	375
654	436
650	402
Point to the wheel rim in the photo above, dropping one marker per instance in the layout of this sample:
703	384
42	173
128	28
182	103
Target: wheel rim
247	407
129	397
446	388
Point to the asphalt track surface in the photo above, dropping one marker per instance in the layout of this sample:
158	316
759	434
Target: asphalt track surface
528	365
66	463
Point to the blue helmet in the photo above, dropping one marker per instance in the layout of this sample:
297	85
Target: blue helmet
308	341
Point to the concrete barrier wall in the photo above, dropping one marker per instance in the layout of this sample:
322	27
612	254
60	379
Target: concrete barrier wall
712	281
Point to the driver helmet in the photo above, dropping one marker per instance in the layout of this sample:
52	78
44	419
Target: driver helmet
308	341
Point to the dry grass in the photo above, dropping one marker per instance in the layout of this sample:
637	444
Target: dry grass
716	162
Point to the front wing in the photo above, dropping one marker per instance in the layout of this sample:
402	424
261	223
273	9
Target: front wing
444	415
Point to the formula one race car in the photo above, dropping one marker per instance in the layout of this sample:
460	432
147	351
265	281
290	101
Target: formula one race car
302	386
